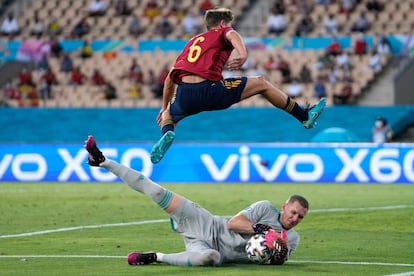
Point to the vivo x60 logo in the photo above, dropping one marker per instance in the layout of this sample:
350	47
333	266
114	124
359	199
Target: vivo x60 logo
322	165
35	166
384	165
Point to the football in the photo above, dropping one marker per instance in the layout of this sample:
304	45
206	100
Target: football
257	250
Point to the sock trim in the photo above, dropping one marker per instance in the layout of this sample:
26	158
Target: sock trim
166	122
166	199
290	105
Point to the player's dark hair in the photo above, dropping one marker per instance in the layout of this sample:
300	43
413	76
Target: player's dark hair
214	16
297	198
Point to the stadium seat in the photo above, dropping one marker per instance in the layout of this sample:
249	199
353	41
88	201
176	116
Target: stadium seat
393	19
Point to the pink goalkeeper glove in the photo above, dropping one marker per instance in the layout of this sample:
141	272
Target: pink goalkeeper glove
271	236
283	235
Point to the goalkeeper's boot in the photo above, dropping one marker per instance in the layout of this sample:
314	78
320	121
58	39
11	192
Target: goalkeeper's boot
313	113
135	258
161	147
95	155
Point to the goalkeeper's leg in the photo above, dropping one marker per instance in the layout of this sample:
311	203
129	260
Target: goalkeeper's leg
208	257
166	199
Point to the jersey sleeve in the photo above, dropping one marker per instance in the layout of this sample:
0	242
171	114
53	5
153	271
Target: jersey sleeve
262	212
293	239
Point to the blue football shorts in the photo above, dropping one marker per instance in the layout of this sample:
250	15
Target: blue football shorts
193	98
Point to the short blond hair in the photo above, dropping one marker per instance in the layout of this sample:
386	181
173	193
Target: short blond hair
213	17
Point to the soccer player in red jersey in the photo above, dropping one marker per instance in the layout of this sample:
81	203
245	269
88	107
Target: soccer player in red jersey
195	83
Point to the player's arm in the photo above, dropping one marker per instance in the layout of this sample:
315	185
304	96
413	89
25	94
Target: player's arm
249	220
240	224
237	41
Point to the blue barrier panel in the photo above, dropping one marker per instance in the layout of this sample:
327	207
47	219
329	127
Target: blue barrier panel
236	162
236	124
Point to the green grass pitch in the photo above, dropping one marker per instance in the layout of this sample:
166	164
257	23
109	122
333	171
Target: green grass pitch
89	228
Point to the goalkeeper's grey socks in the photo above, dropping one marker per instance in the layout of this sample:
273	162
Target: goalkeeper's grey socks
208	257
140	183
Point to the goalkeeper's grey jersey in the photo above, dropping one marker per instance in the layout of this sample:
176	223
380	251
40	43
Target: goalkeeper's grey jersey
202	230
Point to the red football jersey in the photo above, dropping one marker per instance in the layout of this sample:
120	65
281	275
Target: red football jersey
204	55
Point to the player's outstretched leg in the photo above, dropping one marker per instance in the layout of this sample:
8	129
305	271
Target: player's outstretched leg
206	257
161	147
136	258
135	179
314	112
95	157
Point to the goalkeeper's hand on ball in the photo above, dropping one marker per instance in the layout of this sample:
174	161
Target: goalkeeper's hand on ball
270	234
259	228
280	252
278	243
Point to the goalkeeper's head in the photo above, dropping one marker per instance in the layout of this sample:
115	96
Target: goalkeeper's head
293	211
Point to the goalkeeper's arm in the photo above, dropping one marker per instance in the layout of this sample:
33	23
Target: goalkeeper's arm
240	224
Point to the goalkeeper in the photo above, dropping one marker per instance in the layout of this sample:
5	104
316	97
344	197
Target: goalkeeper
210	240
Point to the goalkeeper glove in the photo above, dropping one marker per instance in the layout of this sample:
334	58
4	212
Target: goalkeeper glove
280	252
279	245
260	228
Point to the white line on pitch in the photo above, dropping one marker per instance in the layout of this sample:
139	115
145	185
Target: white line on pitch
166	220
361	209
409	273
83	227
349	263
26	257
